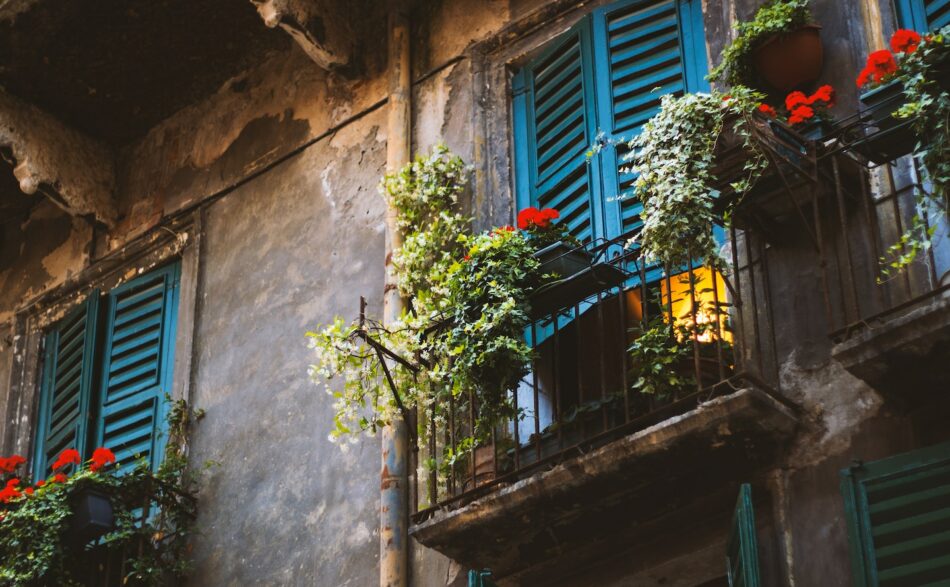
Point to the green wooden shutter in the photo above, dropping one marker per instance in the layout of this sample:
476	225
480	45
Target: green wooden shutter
923	15
648	48
898	515
137	366
742	558
66	388
555	124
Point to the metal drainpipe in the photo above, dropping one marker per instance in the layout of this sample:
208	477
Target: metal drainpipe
394	478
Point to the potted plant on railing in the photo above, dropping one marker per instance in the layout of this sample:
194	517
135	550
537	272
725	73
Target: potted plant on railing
54	531
909	108
558	251
919	66
780	45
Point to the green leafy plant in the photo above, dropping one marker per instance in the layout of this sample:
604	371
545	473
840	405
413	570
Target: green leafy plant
774	18
919	64
675	157
462	337
154	515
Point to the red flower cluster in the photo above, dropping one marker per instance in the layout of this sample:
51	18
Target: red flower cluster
8	464
880	66
533	218
100	457
70	456
905	41
503	229
802	107
10	491
767	110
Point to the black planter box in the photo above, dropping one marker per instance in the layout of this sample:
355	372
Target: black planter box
576	288
562	259
92	516
890	137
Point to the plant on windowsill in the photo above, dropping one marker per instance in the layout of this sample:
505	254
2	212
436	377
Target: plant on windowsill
56	531
679	157
558	251
909	104
781	45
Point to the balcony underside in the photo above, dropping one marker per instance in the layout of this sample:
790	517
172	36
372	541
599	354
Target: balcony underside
905	355
557	518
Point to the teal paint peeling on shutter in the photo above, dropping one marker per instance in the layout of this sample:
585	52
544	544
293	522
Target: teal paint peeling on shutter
137	366
742	558
922	15
66	389
898	518
555	124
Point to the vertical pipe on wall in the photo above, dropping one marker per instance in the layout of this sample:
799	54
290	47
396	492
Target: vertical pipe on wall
394	479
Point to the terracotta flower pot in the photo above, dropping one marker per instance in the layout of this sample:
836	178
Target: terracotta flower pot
790	60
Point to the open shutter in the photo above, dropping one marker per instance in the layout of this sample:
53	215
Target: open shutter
137	366
554	128
66	389
649	48
742	558
922	15
898	514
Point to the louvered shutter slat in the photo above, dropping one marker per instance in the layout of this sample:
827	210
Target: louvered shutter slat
938	13
899	518
66	391
137	366
555	112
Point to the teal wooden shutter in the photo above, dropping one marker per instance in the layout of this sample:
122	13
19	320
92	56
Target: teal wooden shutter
66	388
480	579
555	124
742	558
923	15
648	48
898	515
137	366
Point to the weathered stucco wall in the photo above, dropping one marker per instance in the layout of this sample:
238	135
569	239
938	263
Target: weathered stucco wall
283	254
284	161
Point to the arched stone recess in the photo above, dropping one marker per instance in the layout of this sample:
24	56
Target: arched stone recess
50	158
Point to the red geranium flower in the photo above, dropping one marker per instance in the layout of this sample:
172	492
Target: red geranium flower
881	65
40	483
801	114
100	457
795	99
905	41
767	110
70	456
28	491
8	464
10	491
527	217
824	94
58	478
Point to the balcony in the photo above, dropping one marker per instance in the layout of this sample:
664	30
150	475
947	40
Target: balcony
891	328
594	450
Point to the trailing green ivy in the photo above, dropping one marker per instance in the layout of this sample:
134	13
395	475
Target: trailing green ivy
675	157
463	330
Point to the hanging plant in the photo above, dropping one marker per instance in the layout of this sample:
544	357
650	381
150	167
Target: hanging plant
675	157
779	44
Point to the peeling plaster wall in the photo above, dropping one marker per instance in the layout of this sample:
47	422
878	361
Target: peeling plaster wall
53	158
287	245
283	254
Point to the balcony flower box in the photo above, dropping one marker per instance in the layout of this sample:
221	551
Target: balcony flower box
890	137
92	516
563	259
